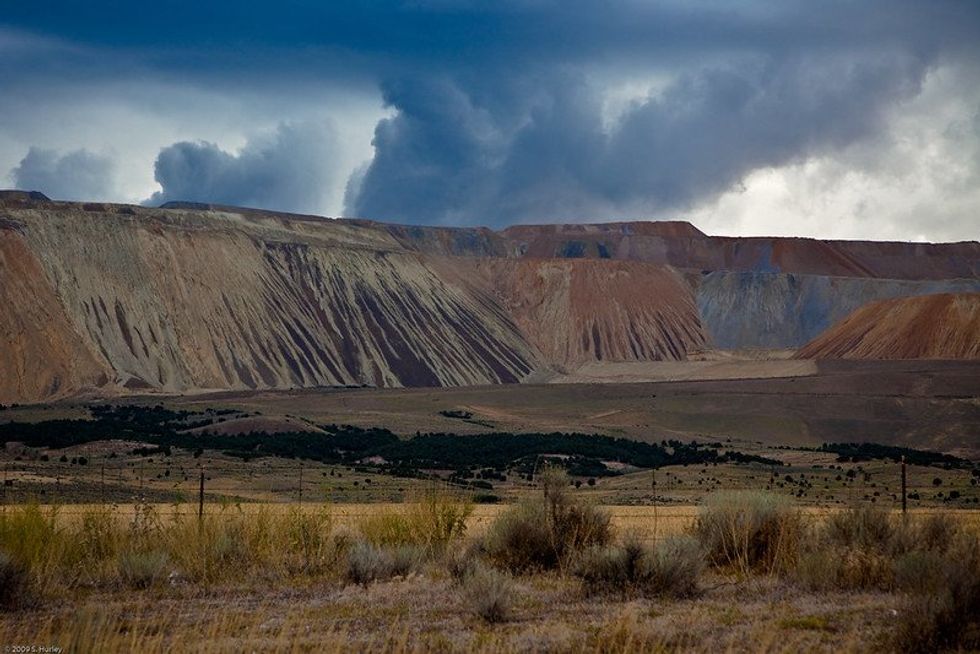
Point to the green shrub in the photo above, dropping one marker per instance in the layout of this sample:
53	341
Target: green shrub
671	568
865	528
438	520
608	569
30	536
937	533
142	569
100	536
853	549
489	593
920	572
827	567
865	548
386	529
520	539
749	530
367	562
215	548
943	612
544	533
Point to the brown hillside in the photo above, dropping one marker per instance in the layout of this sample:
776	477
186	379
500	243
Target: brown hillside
941	326
578	311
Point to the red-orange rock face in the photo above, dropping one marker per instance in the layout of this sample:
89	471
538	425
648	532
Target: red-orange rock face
942	326
574	311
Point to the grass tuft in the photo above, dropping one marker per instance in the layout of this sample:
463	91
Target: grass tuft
433	522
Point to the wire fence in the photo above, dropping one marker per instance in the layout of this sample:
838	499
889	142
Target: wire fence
179	486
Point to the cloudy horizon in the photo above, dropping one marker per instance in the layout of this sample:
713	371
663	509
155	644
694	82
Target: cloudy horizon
837	120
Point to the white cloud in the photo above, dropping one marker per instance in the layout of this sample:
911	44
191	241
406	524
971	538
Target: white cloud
132	121
918	182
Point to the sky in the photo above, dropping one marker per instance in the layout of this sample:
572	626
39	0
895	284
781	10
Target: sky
832	119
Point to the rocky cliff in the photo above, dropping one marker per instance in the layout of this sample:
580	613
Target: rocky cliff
112	298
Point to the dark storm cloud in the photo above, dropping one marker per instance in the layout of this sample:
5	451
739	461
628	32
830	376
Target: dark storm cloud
499	108
446	158
78	175
286	170
525	140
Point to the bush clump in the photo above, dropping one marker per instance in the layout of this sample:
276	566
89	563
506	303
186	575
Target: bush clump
489	593
865	548
367	562
543	533
852	549
671	568
942	606
749	531
143	569
867	528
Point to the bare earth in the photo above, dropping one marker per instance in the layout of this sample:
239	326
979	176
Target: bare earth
919	404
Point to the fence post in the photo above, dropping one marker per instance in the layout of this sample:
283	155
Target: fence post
6	469
301	483
904	488
200	499
102	483
656	517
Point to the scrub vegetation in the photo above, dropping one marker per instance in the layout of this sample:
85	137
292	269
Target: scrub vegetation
423	570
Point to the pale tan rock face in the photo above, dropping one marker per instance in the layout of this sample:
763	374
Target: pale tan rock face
165	301
112	299
41	355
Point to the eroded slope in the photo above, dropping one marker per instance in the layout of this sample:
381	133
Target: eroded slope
169	305
579	311
941	326
114	298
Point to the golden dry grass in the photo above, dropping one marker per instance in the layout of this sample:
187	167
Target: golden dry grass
273	599
647	522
